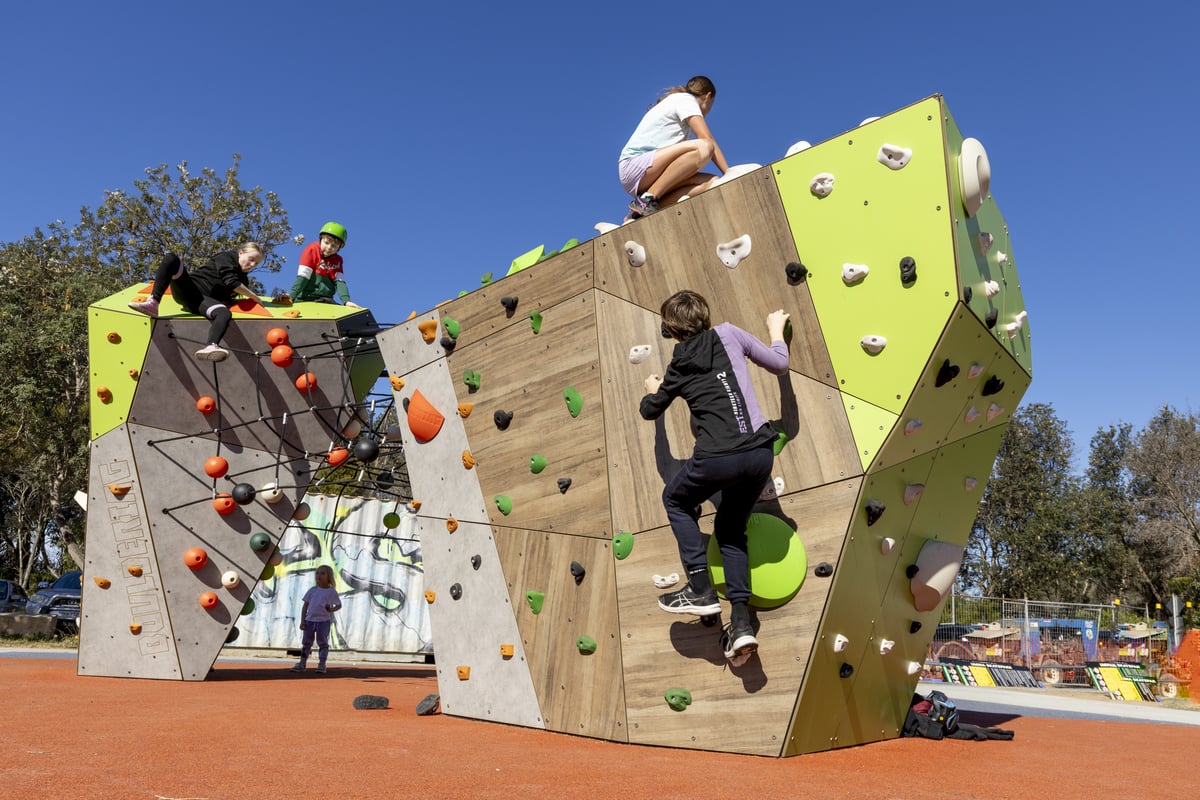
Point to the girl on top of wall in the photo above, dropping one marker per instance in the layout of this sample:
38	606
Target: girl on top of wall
660	163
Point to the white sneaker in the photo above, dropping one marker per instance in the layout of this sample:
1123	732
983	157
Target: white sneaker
147	307
212	352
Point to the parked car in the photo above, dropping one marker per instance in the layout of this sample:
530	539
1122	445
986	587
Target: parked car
60	599
12	598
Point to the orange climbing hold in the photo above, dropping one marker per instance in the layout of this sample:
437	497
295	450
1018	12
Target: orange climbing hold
428	330
423	419
337	456
430	595
208	600
397	383
134	570
463	673
216	467
306	382
104	393
465	409
291	313
133	373
206	405
468	459
195	558
103	583
135	628
224	504
281	355
120	489
114	337
451	524
506	650
277	336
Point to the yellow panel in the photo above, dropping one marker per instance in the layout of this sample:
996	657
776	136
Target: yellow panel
875	217
870	424
116	349
981	675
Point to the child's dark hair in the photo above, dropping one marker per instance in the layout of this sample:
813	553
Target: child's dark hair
685	314
697	86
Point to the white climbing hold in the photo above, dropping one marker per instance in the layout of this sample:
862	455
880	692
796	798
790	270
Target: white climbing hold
1017	324
639	353
886	545
779	486
985	243
873	344
969	484
994	411
893	156
974	175
971	415
1001	257
885	646
635	253
974	371
867	120
605	227
796	148
840	643
912	426
912	492
821	184
270	493
913	667
732	253
991	288
736	171
230	580
852	273
666	581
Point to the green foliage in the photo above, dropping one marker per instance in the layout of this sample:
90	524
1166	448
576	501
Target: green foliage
47	281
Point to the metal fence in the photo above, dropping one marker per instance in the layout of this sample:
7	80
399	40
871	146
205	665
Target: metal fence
1054	640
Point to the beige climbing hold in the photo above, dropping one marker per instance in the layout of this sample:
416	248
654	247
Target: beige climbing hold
994	411
821	184
912	492
639	353
732	253
985	242
604	227
969	484
974	175
971	415
912	426
635	253
886	545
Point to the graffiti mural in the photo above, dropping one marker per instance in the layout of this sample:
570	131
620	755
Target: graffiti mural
378	572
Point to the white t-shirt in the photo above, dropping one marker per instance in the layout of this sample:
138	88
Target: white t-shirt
663	125
317	598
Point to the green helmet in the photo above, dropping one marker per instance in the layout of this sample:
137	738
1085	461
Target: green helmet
335	230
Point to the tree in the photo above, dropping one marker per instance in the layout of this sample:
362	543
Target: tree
47	282
1023	542
1106	517
1164	463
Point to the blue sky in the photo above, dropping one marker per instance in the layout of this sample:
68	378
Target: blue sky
451	137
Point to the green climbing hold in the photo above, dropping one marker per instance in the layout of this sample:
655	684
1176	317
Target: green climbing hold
259	542
249	607
586	644
391	520
451	326
267	573
779	443
546	255
535	319
504	503
486	279
622	545
537	464
472	378
568	244
678	699
535	600
574	400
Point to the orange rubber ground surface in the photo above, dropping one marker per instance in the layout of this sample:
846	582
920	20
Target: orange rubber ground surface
262	732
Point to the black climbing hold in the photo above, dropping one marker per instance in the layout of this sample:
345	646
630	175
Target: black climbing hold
874	511
448	342
914	626
946	373
564	484
990	320
384	479
796	272
709	620
476	561
502	418
578	571
430	704
456	591
845	671
967	295
368	702
991	386
823	570
911	571
233	634
908	269
405	404
243	493
510	303
366	449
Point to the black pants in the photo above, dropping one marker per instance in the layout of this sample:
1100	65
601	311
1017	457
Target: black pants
171	273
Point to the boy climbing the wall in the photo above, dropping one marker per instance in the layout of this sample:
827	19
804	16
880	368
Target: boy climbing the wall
733	454
319	275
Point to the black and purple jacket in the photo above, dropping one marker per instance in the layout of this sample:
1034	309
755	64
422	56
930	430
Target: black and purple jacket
709	372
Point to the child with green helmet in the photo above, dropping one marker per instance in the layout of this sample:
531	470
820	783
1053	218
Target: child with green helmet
319	275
